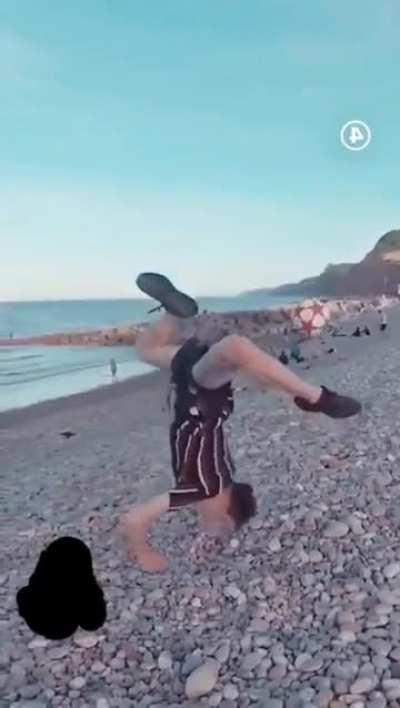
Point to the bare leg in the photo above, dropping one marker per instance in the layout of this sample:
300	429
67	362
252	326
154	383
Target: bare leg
157	344
234	353
136	524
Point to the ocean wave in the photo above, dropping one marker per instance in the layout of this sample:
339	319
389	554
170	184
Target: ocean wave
29	375
24	357
23	377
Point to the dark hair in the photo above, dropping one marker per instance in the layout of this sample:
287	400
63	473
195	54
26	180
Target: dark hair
242	503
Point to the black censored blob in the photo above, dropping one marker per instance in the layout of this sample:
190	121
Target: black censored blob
62	593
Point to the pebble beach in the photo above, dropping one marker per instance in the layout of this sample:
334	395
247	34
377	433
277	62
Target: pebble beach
299	609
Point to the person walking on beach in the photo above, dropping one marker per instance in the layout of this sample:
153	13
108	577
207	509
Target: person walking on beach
113	369
383	319
201	401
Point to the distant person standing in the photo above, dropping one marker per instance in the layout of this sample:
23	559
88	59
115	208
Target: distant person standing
295	352
113	369
357	332
384	322
283	358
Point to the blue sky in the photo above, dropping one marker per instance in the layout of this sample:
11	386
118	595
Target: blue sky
196	138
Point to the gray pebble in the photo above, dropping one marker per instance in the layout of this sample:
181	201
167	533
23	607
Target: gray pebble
335	529
77	683
251	661
30	691
231	692
391	570
193	661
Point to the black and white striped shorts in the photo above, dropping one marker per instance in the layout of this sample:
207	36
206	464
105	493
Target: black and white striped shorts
201	461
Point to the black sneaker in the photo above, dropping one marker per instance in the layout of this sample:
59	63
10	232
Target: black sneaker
160	288
330	403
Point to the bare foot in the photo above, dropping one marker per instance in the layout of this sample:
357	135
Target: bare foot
148	558
139	549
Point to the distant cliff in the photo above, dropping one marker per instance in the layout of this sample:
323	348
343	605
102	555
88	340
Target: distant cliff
324	284
378	272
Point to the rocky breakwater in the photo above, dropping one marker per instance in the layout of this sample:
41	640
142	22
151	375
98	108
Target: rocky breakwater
116	336
252	323
257	323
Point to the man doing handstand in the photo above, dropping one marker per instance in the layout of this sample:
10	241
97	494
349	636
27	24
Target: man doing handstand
201	401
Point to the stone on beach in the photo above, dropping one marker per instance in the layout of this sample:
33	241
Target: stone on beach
86	641
77	683
363	685
165	661
231	692
391	570
335	529
202	680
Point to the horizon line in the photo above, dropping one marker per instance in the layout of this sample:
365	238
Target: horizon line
244	293
106	299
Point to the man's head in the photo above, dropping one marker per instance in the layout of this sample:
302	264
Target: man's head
242	506
229	511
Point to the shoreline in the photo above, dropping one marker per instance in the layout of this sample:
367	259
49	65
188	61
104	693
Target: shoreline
73	401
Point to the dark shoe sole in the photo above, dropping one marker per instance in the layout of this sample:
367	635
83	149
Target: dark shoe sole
343	408
159	288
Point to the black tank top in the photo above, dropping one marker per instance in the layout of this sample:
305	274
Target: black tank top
187	399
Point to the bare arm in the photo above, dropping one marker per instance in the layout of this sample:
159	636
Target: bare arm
157	344
158	356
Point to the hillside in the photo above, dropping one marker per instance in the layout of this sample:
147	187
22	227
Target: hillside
378	272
